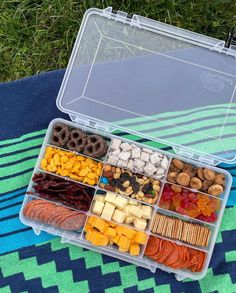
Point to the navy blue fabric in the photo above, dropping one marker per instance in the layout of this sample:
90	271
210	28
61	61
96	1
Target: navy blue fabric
29	104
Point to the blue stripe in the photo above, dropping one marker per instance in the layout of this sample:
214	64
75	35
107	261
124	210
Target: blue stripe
11	210
11	225
7	204
16	241
9	199
18	161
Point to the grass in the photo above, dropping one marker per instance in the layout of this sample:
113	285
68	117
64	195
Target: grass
38	35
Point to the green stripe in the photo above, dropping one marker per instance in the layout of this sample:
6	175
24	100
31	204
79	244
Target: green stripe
180	128
184	112
21	167
16	157
8	185
21	146
19	139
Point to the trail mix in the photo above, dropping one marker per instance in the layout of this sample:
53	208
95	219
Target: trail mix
92	145
54	215
138	159
192	204
202	179
181	230
130	184
67	164
57	189
174	255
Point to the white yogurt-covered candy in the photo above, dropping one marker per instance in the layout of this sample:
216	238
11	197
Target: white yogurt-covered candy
136	153
155	159
124	156
125	146
115	144
149	169
145	157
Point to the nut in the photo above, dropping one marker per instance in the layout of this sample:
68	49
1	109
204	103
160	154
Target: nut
140	181
196	183
107	168
209	174
183	179
200	173
126	183
174	169
116	176
220	179
176	188
129	190
206	184
156	187
118	170
215	189
178	164
190	170
172	177
156	182
140	194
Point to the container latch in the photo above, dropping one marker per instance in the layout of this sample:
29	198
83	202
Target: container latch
231	39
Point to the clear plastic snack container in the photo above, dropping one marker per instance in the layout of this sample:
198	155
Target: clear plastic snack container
143	78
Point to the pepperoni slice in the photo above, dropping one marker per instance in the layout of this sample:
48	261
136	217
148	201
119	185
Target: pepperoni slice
152	246
74	222
166	251
173	257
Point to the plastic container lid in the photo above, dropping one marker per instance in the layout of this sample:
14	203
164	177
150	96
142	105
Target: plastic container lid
154	80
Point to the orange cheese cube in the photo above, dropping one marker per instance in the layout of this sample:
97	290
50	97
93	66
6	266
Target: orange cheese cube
134	249
100	224
88	235
124	242
116	239
129	233
111	232
88	227
99	239
140	237
119	229
123	249
91	220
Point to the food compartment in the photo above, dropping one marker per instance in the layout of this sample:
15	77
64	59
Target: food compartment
62	191
175	256
71	165
187	231
46	215
129	184
78	140
115	237
137	158
197	178
192	204
121	210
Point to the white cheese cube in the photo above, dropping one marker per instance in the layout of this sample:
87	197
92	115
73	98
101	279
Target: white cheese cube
100	198
134	202
140	223
129	219
108	211
126	209
110	197
119	216
135	211
97	207
120	202
147	212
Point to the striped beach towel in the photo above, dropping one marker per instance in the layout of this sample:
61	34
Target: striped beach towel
30	263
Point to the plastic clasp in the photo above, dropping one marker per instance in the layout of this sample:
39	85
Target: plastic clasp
231	39
122	16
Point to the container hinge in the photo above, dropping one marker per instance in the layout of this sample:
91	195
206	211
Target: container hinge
231	39
122	16
81	121
183	152
102	127
206	160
